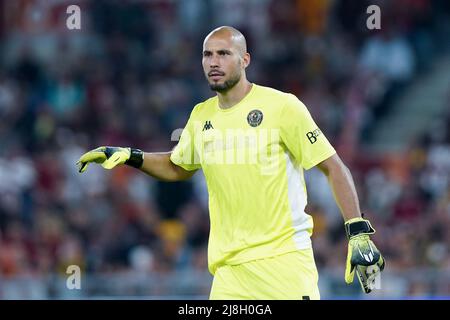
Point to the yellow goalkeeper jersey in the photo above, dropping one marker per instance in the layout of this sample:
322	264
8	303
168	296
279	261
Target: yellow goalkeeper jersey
253	155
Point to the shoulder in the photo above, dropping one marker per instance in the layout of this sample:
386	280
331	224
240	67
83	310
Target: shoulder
271	92
204	106
286	101
277	97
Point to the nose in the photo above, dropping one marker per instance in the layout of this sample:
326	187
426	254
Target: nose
214	61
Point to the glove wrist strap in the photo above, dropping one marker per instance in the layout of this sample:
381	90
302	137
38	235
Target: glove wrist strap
358	227
136	158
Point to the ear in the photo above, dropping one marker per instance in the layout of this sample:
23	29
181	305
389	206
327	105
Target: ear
246	60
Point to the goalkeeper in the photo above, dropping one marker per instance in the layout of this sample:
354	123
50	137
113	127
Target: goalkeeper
259	244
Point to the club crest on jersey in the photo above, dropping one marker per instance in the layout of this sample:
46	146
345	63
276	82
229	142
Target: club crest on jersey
255	118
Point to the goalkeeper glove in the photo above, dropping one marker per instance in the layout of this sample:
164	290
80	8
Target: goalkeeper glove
362	255
109	157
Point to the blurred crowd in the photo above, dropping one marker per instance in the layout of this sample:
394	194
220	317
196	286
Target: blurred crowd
131	76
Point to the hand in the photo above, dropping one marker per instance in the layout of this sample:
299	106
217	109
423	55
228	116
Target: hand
109	157
363	256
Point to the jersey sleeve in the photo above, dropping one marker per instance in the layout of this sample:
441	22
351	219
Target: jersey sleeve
301	135
185	154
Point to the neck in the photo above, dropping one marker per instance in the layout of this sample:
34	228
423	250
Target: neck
234	95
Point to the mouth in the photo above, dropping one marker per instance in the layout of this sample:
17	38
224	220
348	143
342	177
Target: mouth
215	75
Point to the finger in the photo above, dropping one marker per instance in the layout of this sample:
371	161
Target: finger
349	273
93	156
349	268
82	166
381	263
364	280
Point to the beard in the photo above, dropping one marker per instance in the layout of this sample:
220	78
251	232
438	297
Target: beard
227	85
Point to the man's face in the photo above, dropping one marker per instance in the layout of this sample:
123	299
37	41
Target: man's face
222	63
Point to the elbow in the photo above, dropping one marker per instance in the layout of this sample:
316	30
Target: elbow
179	174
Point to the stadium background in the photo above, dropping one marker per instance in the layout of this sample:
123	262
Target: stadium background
130	77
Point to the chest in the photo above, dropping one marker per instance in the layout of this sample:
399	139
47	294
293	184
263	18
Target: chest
243	137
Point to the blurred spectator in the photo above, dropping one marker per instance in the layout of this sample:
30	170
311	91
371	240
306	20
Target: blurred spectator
132	76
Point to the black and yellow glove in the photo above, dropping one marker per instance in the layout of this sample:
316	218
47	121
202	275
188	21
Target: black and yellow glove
363	256
109	157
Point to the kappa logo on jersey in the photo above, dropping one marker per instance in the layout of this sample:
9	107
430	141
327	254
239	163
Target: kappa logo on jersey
207	126
312	135
255	118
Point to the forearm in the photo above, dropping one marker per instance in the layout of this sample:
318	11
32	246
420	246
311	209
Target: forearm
343	187
362	257
159	166
344	191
